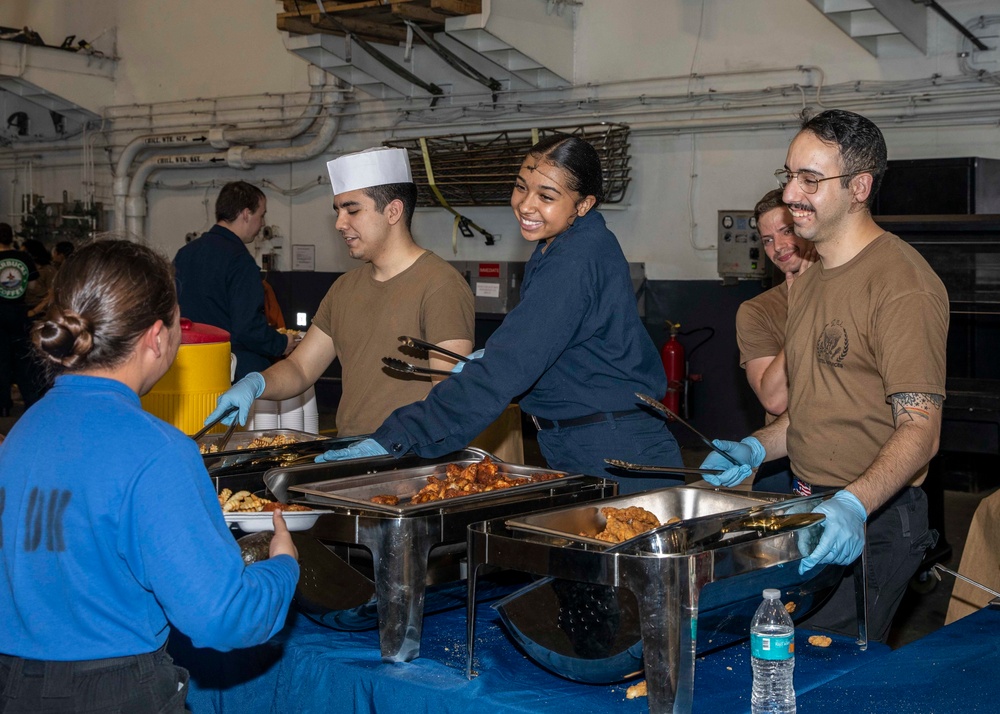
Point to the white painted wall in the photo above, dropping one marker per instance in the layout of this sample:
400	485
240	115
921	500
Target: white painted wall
187	49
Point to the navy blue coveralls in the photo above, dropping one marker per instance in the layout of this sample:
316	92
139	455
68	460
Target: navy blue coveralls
574	350
218	283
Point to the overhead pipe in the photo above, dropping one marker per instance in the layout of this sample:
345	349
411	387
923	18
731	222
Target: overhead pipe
218	137
224	137
237	157
134	205
245	157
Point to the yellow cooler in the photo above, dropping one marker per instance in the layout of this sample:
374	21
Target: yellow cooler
190	389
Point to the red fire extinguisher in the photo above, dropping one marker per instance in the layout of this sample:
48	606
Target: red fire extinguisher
672	355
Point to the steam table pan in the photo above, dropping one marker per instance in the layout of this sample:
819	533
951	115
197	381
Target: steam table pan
405	483
367	565
603	612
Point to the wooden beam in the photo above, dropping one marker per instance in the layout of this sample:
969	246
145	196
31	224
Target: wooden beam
304	8
375	31
366	4
299	9
458	7
419	12
302	26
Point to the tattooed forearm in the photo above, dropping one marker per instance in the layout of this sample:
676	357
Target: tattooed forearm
910	406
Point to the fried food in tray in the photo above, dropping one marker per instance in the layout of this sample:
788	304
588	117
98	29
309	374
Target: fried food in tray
481	477
386	499
258	442
246	502
625	523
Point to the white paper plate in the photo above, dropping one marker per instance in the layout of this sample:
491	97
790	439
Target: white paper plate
255	522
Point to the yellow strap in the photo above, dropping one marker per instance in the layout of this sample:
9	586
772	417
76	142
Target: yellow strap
430	175
430	180
534	136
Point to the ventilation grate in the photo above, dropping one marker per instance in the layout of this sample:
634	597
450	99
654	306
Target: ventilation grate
478	169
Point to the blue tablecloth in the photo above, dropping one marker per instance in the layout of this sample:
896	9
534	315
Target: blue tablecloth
309	669
951	670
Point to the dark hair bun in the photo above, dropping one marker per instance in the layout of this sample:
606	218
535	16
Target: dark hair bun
63	337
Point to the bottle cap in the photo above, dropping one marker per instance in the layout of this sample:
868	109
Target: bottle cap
772	594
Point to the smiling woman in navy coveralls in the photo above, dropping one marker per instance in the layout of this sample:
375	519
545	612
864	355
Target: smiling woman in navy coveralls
573	352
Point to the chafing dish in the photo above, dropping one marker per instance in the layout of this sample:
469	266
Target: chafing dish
602	612
244	469
242	440
366	564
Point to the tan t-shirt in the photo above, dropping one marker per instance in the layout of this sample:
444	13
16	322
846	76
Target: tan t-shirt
760	324
760	327
855	335
430	300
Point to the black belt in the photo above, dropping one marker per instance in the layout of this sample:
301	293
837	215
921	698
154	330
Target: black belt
541	423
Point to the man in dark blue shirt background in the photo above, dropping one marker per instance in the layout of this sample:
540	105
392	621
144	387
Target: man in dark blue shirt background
17	272
219	283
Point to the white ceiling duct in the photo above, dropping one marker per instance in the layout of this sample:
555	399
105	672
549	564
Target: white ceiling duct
71	85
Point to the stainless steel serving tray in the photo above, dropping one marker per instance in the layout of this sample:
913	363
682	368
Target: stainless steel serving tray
240	441
582	523
405	483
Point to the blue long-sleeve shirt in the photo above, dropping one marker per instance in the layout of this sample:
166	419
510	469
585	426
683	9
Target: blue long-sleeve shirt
573	346
110	527
218	283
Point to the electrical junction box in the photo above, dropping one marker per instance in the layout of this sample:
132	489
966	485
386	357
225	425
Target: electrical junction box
740	253
496	285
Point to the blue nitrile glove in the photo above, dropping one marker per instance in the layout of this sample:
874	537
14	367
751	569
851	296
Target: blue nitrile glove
241	395
749	452
361	450
475	355
843	532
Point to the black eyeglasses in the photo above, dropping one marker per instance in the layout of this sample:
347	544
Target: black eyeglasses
807	182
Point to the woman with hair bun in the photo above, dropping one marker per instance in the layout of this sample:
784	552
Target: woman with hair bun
573	352
109	524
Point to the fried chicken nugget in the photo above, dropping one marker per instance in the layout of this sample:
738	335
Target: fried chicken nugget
625	523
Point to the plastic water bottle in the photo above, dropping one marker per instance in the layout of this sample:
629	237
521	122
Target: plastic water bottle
772	656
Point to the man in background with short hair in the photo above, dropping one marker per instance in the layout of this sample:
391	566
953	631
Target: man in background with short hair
760	321
17	273
219	283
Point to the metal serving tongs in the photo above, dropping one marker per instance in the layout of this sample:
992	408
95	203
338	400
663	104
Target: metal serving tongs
629	466
399	365
708	442
937	566
430	347
225	437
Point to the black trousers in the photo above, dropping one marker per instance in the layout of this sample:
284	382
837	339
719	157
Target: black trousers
18	363
897	536
139	684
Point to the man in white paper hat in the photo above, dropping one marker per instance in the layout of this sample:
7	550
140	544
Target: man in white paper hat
402	289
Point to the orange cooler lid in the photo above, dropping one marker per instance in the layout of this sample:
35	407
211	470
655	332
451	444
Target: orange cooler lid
198	333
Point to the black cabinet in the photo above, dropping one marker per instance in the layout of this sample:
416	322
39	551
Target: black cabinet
958	186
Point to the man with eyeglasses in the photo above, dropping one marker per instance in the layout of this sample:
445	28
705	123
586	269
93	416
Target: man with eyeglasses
865	356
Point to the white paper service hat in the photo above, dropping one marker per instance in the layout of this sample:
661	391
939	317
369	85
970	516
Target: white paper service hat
371	167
